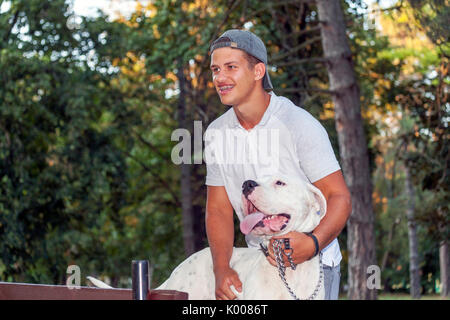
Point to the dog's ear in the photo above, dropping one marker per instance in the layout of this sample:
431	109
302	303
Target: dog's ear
320	205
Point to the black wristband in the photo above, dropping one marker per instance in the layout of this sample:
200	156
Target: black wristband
316	243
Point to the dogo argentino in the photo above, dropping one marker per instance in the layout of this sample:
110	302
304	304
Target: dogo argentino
271	207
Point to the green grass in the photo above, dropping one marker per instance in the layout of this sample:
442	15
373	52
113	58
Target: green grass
401	296
404	296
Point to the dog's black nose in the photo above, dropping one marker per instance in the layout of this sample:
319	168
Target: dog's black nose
248	186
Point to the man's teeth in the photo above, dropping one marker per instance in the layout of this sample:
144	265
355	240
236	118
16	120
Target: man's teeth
226	87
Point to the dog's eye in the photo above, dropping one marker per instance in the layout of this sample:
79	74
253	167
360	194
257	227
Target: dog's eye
280	183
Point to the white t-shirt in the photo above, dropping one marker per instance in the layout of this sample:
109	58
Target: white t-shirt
287	141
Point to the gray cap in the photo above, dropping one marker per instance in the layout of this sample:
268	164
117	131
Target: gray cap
248	42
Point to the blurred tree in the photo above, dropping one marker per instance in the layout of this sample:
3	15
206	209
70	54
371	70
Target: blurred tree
353	146
419	141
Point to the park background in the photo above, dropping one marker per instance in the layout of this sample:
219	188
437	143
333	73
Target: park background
89	100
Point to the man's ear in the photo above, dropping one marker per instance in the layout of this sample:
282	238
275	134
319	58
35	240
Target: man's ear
260	71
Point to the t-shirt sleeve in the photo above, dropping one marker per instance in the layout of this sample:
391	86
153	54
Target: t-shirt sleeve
314	150
213	174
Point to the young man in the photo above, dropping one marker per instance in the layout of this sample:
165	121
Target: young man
303	150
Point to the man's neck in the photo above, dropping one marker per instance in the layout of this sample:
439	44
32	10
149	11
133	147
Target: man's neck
251	112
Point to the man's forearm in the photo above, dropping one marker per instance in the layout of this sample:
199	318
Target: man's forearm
338	211
220	232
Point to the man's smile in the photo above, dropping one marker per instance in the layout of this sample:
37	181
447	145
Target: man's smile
224	89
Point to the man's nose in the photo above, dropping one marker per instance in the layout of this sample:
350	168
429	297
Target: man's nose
219	77
248	186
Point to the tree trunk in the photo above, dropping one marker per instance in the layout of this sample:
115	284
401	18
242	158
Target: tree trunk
412	237
185	180
388	245
352	145
443	258
443	262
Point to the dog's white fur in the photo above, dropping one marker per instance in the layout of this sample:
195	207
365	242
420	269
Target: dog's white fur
306	206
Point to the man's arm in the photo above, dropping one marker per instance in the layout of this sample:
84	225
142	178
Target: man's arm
339	207
220	232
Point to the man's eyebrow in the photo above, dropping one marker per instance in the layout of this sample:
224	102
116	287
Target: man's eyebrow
226	63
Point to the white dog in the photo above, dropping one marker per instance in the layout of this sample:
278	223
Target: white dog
271	207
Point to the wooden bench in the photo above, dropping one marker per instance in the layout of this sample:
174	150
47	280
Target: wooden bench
25	291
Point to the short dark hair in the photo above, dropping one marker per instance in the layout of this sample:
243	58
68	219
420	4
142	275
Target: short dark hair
252	61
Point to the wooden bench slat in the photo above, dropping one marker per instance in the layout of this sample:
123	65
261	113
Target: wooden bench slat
26	291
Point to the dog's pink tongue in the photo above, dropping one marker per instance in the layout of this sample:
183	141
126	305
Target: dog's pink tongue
250	221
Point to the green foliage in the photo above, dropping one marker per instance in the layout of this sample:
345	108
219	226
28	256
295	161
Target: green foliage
64	170
433	17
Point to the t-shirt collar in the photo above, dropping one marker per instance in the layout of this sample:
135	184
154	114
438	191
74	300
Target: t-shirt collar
269	111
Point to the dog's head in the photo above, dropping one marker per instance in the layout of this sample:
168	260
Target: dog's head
275	206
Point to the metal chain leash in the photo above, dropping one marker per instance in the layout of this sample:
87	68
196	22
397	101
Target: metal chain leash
288	253
278	252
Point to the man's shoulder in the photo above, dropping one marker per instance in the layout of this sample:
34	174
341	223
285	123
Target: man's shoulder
222	121
294	116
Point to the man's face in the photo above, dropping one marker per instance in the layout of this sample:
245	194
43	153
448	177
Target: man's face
232	77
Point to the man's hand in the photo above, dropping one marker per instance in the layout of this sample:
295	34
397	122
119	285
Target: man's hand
226	277
302	245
